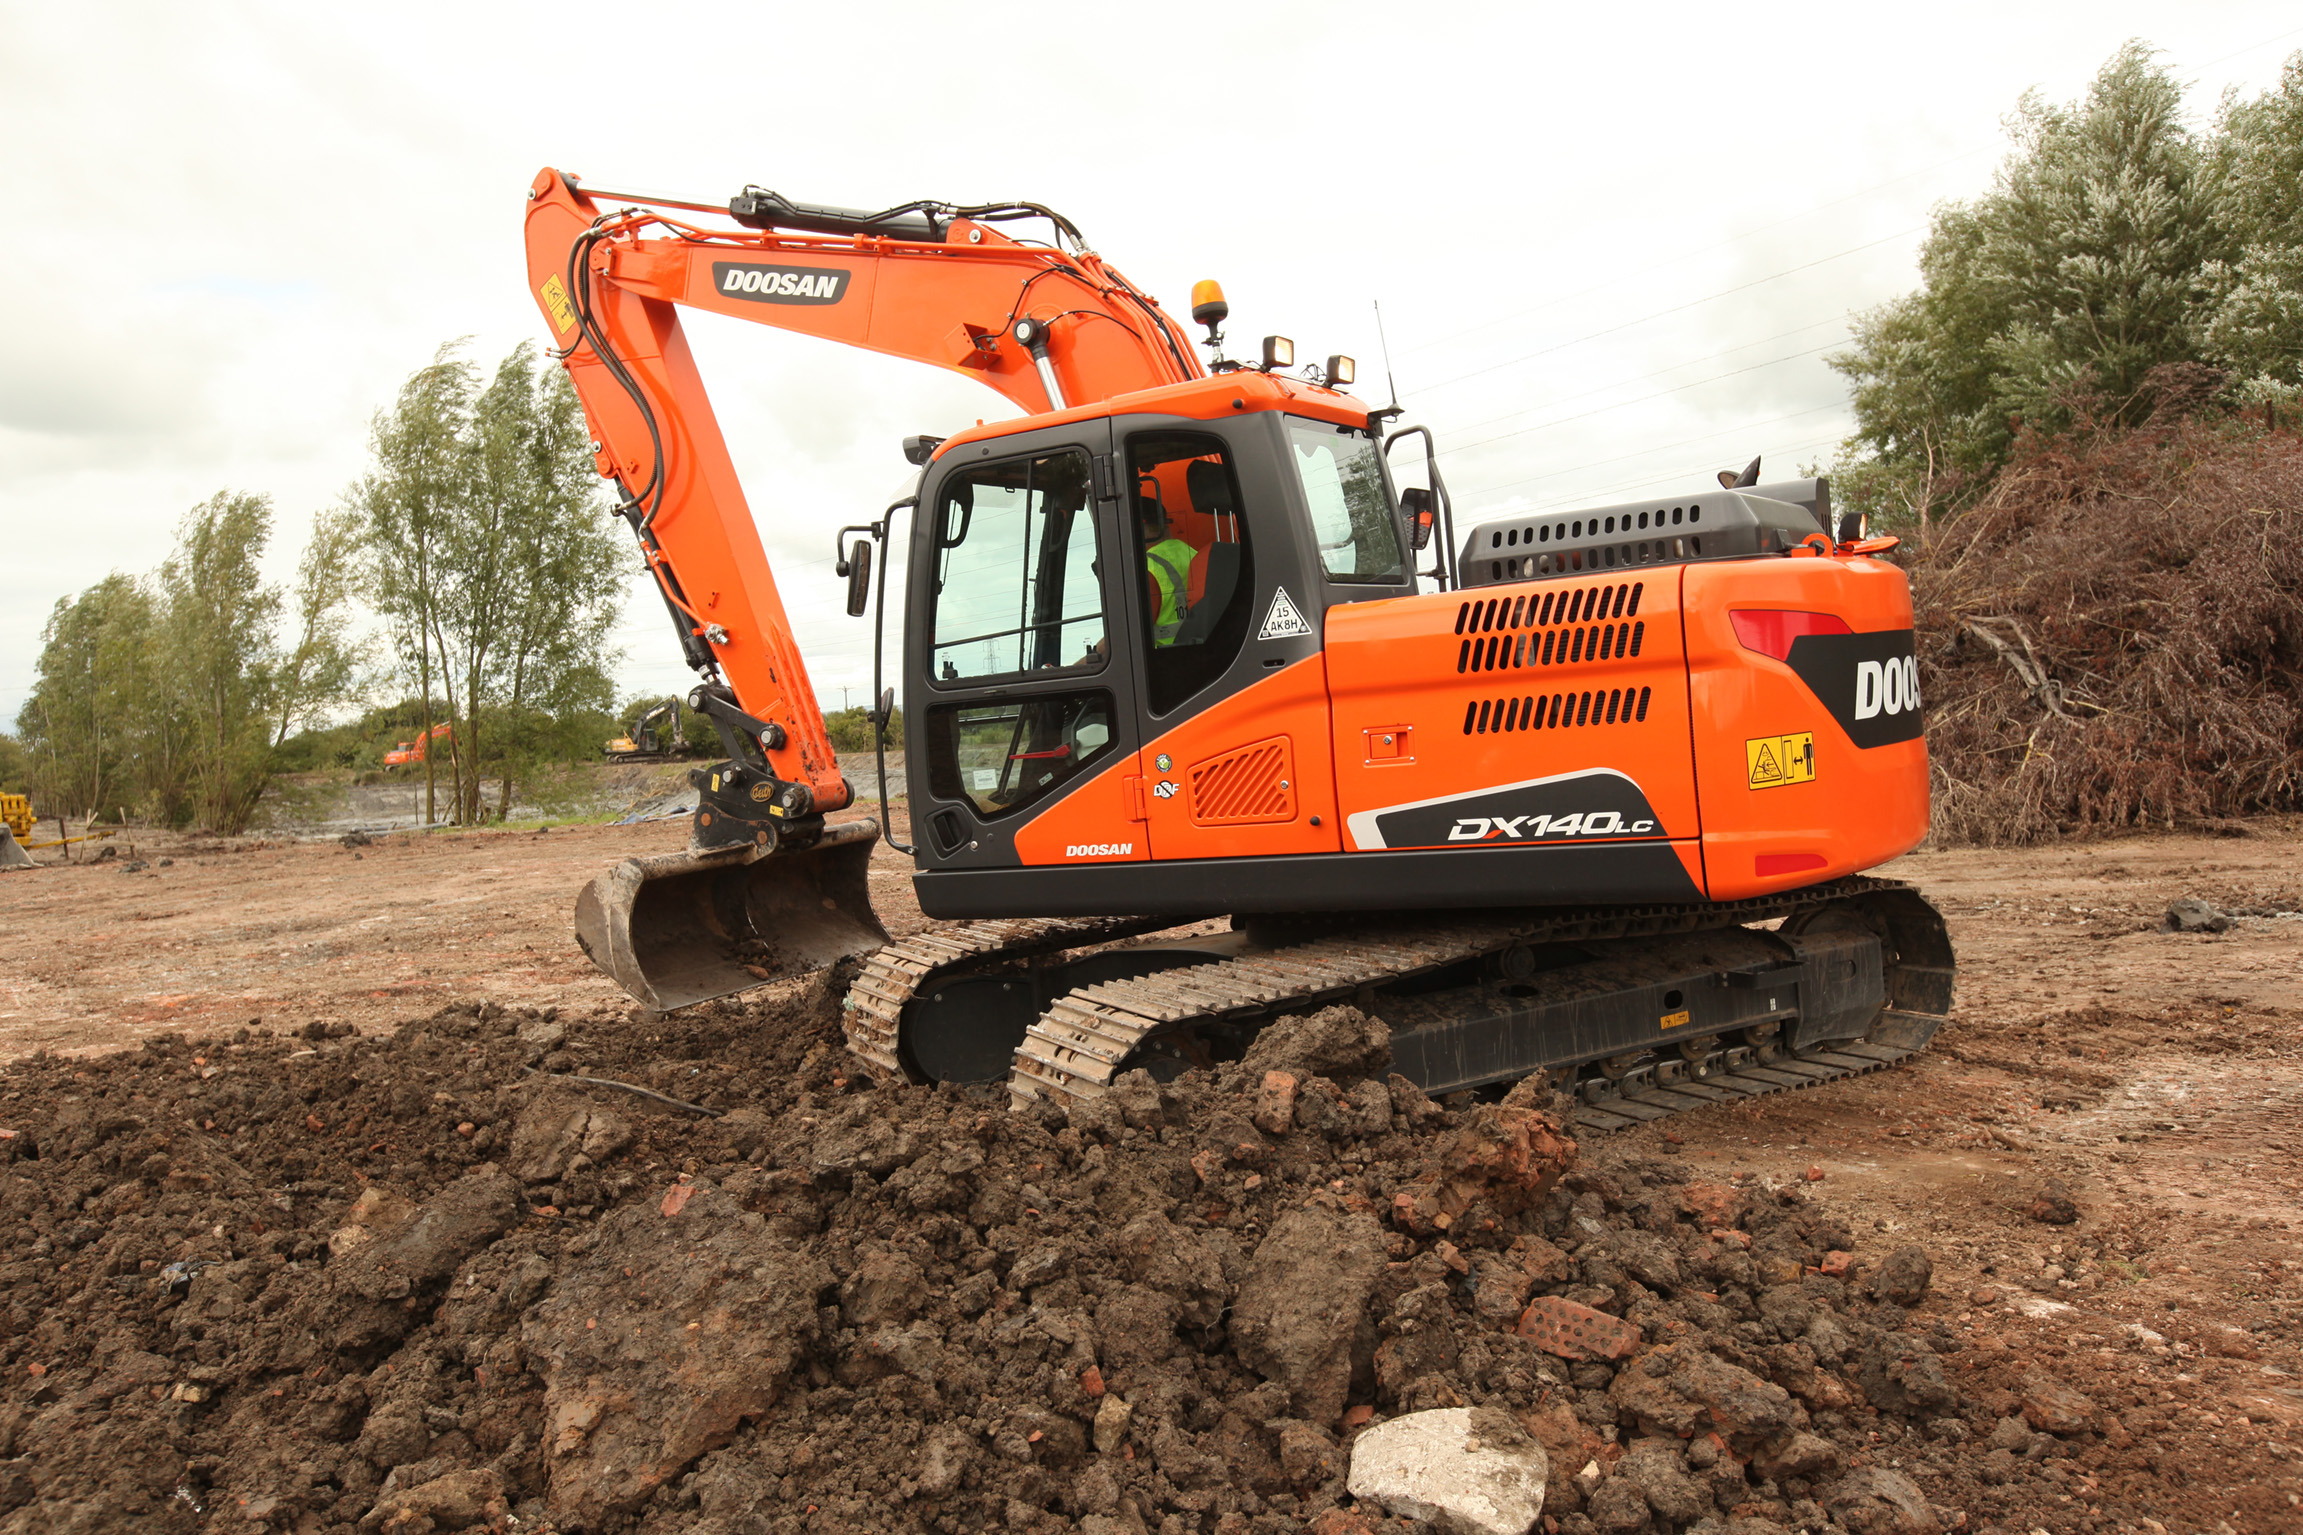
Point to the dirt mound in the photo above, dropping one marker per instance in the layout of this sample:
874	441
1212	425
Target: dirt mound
431	1282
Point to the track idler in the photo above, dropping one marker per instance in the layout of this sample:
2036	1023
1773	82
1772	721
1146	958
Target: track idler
680	928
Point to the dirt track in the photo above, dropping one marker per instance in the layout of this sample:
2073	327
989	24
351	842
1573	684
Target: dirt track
2156	1075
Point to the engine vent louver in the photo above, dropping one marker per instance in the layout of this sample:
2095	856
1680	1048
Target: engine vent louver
1606	557
1550	628
1556	711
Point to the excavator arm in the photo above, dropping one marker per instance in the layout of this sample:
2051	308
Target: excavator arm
1047	325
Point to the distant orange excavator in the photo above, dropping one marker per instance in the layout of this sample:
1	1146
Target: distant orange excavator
1591	796
409	753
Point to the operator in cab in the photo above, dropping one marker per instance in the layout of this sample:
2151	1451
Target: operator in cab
1167	561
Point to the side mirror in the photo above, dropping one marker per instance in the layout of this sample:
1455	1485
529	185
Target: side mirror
1422	513
887	708
859	563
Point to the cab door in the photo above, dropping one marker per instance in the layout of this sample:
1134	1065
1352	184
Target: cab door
1019	694
1224	613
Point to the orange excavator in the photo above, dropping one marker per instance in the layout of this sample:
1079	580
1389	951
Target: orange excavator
409	753
1590	795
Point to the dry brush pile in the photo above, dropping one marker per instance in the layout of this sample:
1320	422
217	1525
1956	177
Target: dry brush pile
2113	635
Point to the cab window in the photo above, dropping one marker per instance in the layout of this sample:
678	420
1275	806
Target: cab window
1351	515
1001	757
1016	590
1195	580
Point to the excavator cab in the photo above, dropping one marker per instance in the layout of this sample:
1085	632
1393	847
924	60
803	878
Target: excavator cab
1082	590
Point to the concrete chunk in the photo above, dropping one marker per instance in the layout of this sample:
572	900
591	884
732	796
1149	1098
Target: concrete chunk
1470	1471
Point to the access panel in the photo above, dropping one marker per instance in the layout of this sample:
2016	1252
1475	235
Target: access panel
1538	714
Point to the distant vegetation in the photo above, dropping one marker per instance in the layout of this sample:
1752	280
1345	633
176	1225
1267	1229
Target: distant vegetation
478	536
2085	426
2122	266
851	730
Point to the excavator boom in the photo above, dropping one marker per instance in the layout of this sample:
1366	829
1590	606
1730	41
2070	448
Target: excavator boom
1047	326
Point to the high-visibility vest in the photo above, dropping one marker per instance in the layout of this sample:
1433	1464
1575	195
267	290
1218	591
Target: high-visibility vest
1169	562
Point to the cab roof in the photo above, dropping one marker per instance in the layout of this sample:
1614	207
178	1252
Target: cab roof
1199	399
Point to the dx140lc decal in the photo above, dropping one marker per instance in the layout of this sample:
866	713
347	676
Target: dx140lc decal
1595	803
1869	682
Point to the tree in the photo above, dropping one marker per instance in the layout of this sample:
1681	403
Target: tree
851	729
216	634
407	503
2082	271
536	559
89	683
320	667
496	561
2255	326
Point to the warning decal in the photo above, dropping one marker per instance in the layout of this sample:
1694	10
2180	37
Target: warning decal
556	303
1773	761
1283	622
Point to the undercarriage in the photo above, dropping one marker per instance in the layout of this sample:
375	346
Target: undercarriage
1639	1011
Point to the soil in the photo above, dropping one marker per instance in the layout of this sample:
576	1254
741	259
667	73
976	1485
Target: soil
380	1262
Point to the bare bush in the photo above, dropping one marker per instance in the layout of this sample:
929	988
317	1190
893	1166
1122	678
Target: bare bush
2113	635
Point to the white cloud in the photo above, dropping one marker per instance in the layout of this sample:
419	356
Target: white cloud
240	226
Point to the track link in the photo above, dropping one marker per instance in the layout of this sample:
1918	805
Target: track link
875	1003
1749	1079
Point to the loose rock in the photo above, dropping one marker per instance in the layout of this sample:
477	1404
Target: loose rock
1468	1472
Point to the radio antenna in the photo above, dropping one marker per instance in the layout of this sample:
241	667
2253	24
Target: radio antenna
1385	342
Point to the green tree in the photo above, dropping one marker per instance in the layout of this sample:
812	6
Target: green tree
320	662
494	559
2084	269
89	685
221	659
537	567
2255	324
851	729
408	502
15	767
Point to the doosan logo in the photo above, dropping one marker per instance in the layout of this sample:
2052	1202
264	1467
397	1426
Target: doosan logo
1521	828
1886	687
1099	849
779	284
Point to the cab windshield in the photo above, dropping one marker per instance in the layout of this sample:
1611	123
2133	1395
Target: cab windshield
1351	515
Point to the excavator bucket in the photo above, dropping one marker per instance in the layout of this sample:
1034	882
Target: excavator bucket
12	854
680	928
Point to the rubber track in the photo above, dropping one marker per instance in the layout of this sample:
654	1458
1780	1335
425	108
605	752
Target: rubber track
1077	1045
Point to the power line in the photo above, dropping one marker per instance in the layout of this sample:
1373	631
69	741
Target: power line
1685	442
1756	282
2251	47
1640	378
1703	250
1588	496
1601	410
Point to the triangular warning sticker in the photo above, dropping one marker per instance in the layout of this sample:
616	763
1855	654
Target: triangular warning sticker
1764	768
1283	622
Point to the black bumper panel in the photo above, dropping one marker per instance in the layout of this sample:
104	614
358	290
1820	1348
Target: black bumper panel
1602	874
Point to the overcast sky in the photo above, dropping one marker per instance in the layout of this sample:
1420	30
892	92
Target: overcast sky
1612	244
